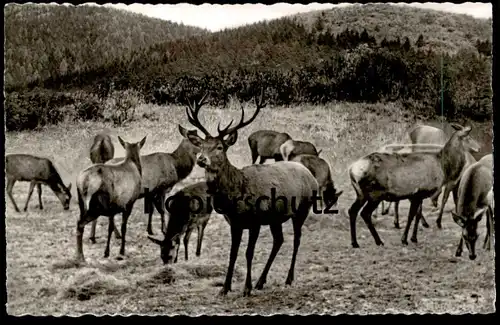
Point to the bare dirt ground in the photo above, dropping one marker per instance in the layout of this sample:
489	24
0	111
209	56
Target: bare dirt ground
330	276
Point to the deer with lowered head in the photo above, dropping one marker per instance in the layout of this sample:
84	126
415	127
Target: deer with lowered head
242	195
37	171
108	189
473	202
414	176
266	145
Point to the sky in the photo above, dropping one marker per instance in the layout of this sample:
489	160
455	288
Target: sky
216	17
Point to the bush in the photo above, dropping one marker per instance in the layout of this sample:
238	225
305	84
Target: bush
121	106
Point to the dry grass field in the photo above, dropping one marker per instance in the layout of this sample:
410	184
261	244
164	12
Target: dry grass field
330	276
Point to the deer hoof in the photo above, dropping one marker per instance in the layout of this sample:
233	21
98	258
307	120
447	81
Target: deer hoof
414	240
380	243
425	225
355	245
247	291
404	242
396	225
260	285
439	225
458	253
92	240
224	291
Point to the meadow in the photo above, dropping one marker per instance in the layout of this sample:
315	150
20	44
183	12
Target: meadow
331	277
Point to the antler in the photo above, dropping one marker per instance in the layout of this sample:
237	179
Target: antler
260	104
192	114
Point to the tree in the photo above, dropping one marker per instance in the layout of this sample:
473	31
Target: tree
420	41
407	45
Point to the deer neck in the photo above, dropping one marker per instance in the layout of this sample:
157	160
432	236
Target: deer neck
452	158
228	181
134	159
184	160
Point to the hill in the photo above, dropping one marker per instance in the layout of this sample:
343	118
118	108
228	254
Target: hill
442	31
43	41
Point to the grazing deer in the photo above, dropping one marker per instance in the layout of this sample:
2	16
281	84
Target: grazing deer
290	181
393	177
266	144
161	171
101	151
292	148
474	188
321	171
108	189
188	209
37	171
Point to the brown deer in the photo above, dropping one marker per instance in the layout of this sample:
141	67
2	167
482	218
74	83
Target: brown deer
107	189
393	177
242	195
473	201
188	209
292	148
101	151
321	171
37	171
266	144
160	172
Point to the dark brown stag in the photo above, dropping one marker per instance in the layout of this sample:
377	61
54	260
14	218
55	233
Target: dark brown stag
37	171
266	144
242	195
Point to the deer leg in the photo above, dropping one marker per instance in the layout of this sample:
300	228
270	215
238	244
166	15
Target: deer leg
10	186
353	215
32	187
386	211
201	231
125	216
396	214
39	188
111	227
252	240
446	194
236	233
150	201
366	214
177	253
255	155
411	214
84	219
487	238
424	222
186	242
455	194
435	198
92	231
160	207
277	232
297	234
417	220
458	252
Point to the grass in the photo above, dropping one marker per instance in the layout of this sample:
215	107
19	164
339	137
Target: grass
330	276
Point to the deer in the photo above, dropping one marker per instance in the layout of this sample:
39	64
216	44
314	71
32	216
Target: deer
108	189
266	144
292	148
393	177
160	172
37	171
474	200
321	171
241	195
426	137
101	151
188	209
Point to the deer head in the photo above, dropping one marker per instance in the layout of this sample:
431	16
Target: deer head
213	149
469	229
469	143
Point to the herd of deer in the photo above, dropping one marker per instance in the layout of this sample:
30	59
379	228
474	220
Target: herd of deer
112	185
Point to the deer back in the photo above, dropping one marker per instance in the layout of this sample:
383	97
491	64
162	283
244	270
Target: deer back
473	189
102	149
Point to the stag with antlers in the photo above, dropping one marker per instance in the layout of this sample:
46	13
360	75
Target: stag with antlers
291	182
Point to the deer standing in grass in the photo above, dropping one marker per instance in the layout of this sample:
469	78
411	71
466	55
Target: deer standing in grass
293	148
473	202
107	189
242	195
321	171
37	171
101	151
188	209
423	137
161	171
414	176
266	144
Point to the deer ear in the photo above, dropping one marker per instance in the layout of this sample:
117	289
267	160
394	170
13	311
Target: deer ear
143	141
182	131
154	240
194	139
458	219
479	214
456	126
122	142
69	187
231	139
